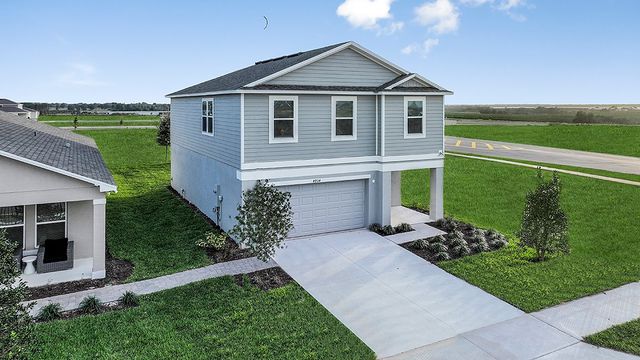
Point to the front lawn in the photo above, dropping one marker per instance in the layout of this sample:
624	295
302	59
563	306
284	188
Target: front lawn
147	224
213	319
611	139
101	120
624	337
603	231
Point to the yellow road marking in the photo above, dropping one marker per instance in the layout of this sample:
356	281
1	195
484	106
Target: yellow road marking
489	146
473	144
458	142
506	147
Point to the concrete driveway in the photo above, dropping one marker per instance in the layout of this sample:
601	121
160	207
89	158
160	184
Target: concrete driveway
391	299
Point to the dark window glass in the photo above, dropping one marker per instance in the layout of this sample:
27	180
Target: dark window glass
210	124
204	108
414	125
283	128
414	108
204	124
11	215
344	109
15	234
344	127
52	231
283	109
51	212
210	108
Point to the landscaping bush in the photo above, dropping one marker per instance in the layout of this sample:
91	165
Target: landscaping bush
461	250
404	227
421	244
129	299
91	305
388	230
213	240
442	256
50	312
447	224
376	228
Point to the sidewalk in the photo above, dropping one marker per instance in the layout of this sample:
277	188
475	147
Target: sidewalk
112	293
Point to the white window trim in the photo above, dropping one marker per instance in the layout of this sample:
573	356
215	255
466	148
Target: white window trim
275	140
23	225
66	225
423	99
213	117
335	137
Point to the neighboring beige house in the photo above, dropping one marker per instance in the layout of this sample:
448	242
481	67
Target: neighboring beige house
12	107
53	188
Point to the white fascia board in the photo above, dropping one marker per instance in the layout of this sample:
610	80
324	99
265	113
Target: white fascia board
416	93
321	180
310	92
402	81
425	80
104	187
335	161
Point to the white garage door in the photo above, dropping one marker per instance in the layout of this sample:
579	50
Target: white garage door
326	207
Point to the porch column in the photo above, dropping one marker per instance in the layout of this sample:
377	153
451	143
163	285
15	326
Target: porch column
436	204
99	248
396	193
385	185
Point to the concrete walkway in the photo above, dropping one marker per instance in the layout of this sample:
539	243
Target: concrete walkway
549	155
393	300
112	293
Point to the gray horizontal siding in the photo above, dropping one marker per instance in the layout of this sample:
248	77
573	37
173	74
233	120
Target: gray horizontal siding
186	128
396	144
412	83
314	131
347	68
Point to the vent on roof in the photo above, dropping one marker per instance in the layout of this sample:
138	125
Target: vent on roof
279	58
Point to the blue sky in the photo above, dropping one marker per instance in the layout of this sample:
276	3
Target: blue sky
486	51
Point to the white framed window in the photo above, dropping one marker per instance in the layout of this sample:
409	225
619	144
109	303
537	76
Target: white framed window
415	118
344	118
12	221
51	222
283	119
207	117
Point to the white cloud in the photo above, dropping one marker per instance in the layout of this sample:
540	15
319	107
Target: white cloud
441	16
391	28
505	6
80	74
424	49
475	2
510	4
365	13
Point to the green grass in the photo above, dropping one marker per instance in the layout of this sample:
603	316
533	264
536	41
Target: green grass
213	319
611	139
117	117
603	232
146	224
624	337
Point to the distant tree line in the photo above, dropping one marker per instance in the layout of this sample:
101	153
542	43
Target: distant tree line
78	108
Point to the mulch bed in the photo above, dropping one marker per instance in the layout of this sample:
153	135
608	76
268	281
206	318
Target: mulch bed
117	272
266	279
106	307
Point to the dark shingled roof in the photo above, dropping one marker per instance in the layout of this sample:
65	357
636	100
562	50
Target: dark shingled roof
12	109
54	147
261	69
7	102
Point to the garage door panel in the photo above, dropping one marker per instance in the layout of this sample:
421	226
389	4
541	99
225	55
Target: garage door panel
326	207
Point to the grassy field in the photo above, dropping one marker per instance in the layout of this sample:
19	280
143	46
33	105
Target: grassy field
146	224
603	238
100	120
213	319
624	337
610	139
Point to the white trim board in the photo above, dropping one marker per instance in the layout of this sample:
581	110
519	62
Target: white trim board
337	161
320	180
354	118
311	92
104	187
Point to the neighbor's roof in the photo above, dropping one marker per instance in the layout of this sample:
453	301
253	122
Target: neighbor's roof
54	149
12	109
7	102
241	79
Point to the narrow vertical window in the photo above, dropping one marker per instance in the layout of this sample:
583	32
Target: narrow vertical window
207	116
415	117
344	122
12	221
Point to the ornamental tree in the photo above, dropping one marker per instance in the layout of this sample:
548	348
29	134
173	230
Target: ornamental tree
164	133
264	219
16	327
544	224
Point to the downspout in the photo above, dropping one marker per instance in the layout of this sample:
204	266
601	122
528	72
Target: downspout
382	118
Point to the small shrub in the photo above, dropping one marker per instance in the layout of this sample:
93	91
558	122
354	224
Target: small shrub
497	243
420	244
404	227
461	250
492	234
91	305
475	239
447	224
129	299
376	228
388	230
456	241
441	256
213	240
50	312
479	247
437	247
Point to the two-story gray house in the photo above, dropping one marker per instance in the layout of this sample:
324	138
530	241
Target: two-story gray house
334	126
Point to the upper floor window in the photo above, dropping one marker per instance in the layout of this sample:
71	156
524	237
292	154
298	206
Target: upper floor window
344	122
207	116
415	121
283	119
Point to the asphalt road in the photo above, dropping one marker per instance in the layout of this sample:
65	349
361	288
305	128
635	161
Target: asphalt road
549	155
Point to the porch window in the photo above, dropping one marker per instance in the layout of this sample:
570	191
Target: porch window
51	222
283	119
414	117
207	116
12	221
344	122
